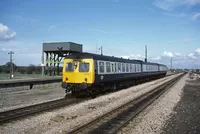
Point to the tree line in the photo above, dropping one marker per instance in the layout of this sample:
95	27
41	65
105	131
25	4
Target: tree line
31	69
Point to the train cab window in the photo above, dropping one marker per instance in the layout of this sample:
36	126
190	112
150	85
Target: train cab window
70	67
108	68
119	67
101	67
84	67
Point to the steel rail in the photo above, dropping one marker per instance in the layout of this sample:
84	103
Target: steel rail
19	113
114	120
23	112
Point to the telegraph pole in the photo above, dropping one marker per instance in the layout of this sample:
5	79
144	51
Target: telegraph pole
11	64
42	63
101	50
145	60
171	63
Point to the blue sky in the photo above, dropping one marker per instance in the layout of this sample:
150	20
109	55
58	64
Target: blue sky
170	28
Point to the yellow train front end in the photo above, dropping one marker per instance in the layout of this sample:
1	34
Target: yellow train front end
77	74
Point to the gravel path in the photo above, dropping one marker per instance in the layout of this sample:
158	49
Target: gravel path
16	99
186	118
152	119
64	119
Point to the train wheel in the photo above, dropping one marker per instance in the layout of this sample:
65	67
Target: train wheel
113	87
93	92
74	93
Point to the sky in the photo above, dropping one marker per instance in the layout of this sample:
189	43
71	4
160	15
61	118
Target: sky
169	28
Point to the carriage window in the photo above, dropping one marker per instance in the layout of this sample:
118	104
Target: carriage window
108	69
135	67
70	67
123	67
127	67
83	67
101	67
119	67
144	68
131	68
115	67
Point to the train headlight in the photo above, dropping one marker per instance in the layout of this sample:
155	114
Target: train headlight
66	79
86	79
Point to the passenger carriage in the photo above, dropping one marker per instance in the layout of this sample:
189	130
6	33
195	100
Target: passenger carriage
92	73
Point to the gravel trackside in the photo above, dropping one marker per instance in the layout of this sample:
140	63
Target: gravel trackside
153	118
186	118
67	118
17	99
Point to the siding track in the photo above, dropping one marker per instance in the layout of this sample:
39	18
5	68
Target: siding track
116	119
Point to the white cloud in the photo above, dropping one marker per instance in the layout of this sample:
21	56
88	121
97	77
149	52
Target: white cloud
25	52
163	5
6	33
191	2
171	4
3	50
192	56
178	60
198	51
132	56
156	58
168	54
195	16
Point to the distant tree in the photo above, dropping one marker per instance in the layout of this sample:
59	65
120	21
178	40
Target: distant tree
38	69
8	64
30	69
6	67
22	70
1	69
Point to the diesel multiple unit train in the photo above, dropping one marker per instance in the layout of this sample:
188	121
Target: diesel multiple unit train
92	73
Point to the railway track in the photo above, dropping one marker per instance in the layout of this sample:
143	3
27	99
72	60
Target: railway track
23	112
19	113
113	121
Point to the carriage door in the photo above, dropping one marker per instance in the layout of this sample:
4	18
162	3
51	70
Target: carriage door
113	67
